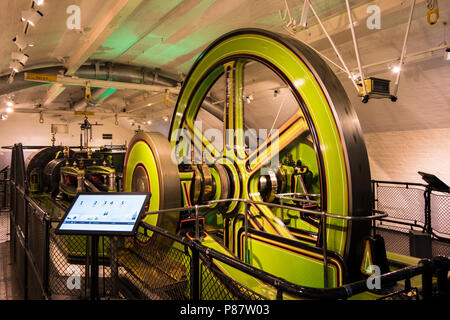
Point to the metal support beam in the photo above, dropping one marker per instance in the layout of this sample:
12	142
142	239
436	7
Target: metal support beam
402	57
115	14
334	47
53	92
355	44
145	103
338	23
414	56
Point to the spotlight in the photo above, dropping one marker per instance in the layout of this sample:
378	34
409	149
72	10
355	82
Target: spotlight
39	2
32	16
149	122
395	67
21	42
166	118
354	76
16	66
9	110
10	104
21	57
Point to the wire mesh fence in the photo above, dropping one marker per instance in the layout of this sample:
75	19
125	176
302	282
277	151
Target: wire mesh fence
149	267
440	213
413	207
4	226
402	205
67	266
215	285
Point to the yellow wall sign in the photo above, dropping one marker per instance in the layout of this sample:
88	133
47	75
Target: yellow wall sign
40	77
84	113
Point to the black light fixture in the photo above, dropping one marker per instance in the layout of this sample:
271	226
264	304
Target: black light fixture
16	66
21	42
21	57
32	16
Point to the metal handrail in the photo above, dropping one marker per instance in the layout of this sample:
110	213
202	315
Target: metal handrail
400	183
287	196
282	285
379	215
428	213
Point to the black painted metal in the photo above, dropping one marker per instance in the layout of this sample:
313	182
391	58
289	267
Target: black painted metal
195	275
94	268
427	279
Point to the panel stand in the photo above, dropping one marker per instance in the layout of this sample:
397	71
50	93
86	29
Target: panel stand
94	268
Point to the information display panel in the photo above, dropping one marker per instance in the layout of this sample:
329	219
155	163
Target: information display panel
104	213
434	182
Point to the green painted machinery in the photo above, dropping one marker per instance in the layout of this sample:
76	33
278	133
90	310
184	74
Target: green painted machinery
262	120
56	174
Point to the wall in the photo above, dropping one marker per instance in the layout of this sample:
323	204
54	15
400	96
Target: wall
393	155
398	155
26	129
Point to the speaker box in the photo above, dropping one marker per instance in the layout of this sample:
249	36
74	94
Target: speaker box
420	244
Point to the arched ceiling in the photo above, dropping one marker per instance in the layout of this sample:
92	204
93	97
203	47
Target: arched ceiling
167	36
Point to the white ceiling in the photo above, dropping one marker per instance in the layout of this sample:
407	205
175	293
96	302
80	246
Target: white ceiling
170	35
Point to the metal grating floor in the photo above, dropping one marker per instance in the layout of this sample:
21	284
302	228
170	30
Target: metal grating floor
4	226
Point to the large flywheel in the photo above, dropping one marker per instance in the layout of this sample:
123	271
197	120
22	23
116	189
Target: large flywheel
271	112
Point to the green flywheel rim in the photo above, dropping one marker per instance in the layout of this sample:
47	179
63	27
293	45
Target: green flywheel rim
149	168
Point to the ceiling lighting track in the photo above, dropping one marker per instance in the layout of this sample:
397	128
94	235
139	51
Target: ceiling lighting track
21	57
31	16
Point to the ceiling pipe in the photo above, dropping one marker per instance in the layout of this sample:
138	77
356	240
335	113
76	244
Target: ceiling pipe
124	73
97	71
